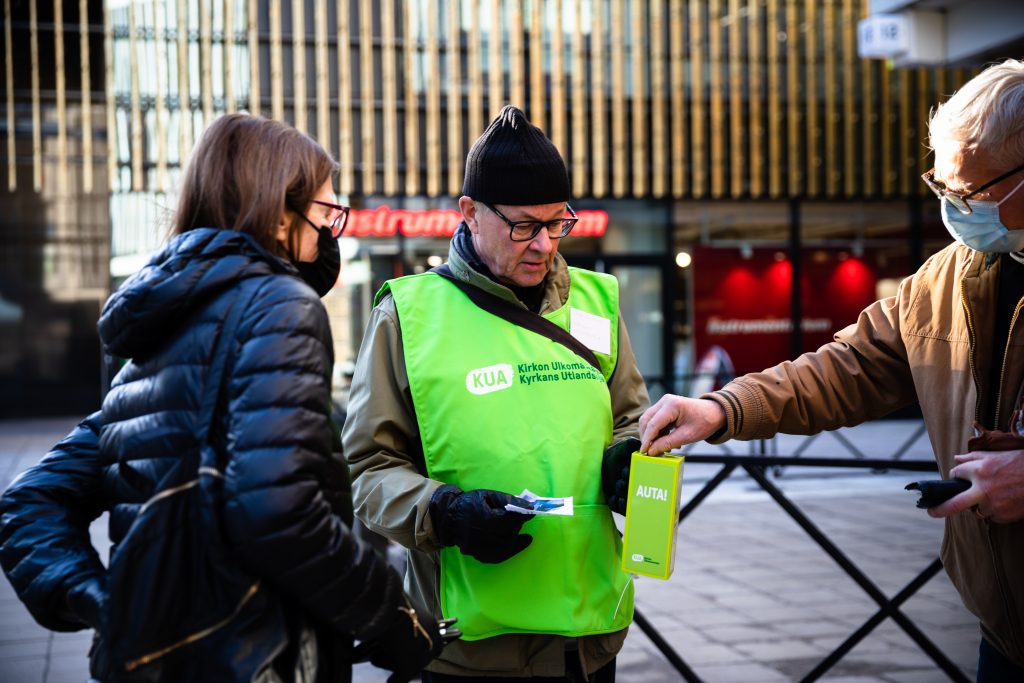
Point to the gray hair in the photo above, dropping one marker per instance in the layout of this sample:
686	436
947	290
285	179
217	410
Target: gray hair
987	113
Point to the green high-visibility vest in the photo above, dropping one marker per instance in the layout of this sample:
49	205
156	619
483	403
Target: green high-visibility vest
501	407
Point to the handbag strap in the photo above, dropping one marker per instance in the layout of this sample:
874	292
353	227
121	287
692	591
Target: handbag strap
215	380
517	315
185	477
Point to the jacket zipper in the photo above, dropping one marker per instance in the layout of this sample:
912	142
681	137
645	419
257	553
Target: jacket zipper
1002	370
970	352
166	493
175	490
133	664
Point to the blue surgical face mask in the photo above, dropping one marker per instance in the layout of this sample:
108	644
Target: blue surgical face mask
982	229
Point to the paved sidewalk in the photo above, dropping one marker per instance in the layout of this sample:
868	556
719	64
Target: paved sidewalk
752	599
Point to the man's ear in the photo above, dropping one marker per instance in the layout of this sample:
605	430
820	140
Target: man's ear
468	208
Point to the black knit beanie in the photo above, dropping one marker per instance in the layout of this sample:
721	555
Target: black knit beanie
513	162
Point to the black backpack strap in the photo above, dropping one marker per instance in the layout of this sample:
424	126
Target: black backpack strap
517	315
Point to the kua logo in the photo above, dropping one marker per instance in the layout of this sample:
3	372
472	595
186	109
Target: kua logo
491	378
637	557
652	492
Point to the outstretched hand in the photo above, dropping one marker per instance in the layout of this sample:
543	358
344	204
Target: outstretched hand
675	421
997	486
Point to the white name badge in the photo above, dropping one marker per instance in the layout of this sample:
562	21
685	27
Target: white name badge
591	330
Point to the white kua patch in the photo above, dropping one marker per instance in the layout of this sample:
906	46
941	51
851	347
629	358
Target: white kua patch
489	379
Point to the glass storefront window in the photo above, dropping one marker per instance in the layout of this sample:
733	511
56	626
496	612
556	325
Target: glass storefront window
640	299
634	227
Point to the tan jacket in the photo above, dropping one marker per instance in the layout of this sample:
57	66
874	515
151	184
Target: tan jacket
391	492
930	343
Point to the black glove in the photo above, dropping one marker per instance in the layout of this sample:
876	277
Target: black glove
477	522
615	473
409	643
87	603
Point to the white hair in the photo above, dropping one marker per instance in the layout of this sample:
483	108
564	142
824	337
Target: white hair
986	114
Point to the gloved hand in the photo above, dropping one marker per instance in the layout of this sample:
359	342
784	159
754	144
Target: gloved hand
87	603
477	522
615	473
409	643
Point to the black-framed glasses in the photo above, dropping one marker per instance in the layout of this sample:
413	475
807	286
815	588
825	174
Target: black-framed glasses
338	217
959	201
524	231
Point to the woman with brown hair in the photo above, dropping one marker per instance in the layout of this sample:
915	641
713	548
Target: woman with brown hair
232	557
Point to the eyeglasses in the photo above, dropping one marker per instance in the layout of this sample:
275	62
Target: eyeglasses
338	217
959	201
524	231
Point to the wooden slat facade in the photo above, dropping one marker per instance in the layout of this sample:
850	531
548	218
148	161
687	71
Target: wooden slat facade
323	78
12	173
456	151
476	69
639	100
298	78
160	127
86	95
37	127
346	136
598	85
389	89
62	115
673	99
659	169
678	133
559	94
579	113
620	170
434	169
719	133
698	113
755	69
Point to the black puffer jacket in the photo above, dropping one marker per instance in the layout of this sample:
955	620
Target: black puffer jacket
281	517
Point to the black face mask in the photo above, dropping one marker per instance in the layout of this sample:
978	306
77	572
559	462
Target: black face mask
322	273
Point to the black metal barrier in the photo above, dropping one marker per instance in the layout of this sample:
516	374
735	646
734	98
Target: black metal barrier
887	607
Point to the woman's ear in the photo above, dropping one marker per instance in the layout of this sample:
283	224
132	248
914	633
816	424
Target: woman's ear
281	233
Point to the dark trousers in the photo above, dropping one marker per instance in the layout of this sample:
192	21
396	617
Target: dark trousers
574	674
994	667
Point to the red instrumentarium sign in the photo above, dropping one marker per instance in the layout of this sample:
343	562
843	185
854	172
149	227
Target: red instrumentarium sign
387	222
743	305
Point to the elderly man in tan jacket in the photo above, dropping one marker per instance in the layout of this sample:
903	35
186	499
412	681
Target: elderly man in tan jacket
951	339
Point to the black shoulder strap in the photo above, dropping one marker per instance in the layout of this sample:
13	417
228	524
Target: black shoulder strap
216	379
517	315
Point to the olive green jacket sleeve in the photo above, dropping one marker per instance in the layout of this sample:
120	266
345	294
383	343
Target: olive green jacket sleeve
381	440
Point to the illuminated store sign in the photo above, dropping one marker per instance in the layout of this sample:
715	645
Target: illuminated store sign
387	222
742	305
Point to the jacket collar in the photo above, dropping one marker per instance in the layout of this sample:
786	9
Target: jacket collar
190	271
461	261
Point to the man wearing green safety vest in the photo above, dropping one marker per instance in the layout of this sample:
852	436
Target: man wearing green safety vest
505	371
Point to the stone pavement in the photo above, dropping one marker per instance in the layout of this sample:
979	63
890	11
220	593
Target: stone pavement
752	598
